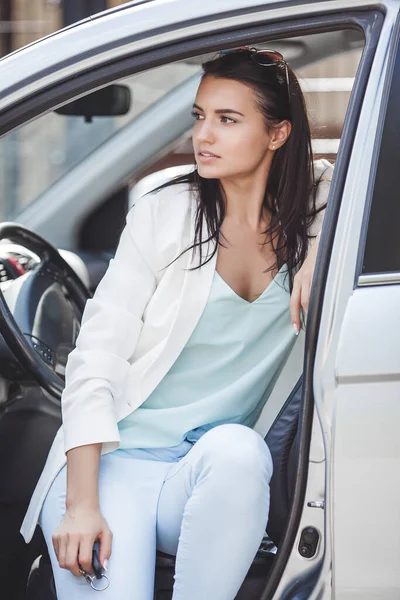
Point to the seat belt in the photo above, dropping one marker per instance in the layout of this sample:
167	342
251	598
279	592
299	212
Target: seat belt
283	387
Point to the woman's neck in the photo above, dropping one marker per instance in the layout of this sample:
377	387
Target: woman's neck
244	198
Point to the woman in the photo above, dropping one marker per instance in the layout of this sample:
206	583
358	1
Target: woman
188	329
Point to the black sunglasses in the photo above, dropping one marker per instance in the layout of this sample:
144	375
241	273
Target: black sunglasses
264	58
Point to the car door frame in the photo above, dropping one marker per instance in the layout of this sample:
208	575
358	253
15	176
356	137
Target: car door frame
342	290
329	15
296	572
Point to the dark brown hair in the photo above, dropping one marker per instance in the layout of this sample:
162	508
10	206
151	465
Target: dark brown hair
290	183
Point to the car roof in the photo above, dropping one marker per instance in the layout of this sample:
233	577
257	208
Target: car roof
76	24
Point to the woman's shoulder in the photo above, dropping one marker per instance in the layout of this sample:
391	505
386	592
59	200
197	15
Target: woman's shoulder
170	191
323	173
323	170
166	202
159	222
164	205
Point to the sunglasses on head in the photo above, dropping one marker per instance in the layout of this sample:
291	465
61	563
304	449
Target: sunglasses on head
264	58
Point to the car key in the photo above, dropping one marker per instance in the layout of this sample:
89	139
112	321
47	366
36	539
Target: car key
98	572
97	568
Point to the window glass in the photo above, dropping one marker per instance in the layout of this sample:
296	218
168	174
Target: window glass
382	250
327	85
34	157
39	153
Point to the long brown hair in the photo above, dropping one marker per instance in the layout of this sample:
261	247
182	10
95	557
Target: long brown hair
291	183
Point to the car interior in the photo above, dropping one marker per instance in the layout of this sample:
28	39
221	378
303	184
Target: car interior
44	290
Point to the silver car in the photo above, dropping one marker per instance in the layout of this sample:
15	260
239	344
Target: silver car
89	119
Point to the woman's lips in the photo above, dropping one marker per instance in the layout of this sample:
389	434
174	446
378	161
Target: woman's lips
207	156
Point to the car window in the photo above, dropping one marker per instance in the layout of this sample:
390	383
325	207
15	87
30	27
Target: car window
38	154
41	153
382	250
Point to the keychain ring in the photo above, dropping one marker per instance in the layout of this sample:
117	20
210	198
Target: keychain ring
92	578
98	589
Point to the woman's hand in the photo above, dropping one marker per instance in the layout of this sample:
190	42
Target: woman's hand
74	538
302	286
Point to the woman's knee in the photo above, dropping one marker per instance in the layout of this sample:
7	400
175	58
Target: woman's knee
238	449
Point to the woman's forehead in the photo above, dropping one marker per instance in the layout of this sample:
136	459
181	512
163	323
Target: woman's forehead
216	93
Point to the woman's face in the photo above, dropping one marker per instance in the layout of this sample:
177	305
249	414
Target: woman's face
229	137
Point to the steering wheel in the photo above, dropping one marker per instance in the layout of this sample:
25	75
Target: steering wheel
41	317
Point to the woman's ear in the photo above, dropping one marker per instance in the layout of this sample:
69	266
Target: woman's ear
280	134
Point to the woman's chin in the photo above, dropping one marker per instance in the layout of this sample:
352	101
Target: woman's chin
208	171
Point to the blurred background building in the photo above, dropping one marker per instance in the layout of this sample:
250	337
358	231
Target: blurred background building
24	21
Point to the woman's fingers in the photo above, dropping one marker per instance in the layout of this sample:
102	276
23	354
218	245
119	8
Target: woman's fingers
295	299
71	554
305	293
300	299
62	551
76	550
105	540
56	546
74	539
85	553
302	282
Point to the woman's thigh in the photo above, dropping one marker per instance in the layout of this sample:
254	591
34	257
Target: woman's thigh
129	490
225	472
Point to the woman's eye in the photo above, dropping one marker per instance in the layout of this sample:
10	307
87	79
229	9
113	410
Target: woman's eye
197	115
228	120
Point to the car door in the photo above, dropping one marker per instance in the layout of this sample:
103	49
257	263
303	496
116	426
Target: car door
357	378
144	35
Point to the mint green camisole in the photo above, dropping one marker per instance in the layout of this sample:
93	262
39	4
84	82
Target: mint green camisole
223	374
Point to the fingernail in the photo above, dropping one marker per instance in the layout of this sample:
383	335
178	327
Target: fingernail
295	329
105	565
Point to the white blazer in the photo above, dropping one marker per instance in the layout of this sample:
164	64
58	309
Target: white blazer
136	325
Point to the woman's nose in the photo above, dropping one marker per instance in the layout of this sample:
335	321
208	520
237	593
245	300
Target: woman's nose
204	132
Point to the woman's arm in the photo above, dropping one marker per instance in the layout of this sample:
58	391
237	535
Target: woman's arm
83	523
82	476
95	372
111	326
97	367
302	282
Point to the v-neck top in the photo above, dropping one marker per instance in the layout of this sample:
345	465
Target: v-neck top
224	373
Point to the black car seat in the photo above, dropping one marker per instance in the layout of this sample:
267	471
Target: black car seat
28	423
282	442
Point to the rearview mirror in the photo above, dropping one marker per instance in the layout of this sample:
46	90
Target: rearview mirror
111	101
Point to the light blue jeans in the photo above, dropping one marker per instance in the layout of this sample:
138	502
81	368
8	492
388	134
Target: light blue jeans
207	503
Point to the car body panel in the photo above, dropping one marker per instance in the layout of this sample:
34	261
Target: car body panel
366	447
339	348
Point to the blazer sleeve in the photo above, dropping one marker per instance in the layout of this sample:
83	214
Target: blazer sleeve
323	171
111	325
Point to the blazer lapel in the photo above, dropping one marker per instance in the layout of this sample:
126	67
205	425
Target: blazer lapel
193	298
